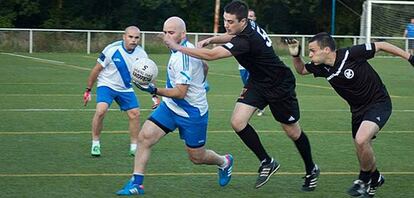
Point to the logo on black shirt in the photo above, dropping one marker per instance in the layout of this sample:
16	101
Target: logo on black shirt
349	73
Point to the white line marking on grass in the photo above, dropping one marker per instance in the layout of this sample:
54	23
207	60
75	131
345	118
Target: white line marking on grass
217	131
48	61
181	174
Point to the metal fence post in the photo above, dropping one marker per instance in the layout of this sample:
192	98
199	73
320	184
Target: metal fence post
30	41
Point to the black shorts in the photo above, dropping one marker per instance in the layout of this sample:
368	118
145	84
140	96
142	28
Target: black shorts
379	113
281	99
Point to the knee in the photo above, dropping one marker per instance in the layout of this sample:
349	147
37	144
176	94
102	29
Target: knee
144	138
196	159
133	114
237	124
361	142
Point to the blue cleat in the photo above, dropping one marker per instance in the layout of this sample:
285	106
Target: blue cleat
225	173
131	189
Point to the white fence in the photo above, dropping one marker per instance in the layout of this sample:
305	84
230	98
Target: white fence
93	41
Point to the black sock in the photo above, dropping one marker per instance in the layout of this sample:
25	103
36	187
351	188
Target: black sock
375	176
365	176
250	138
303	146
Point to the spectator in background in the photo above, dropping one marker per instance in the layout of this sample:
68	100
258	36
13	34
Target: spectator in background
409	33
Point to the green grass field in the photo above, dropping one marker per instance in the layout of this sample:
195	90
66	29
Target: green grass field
45	136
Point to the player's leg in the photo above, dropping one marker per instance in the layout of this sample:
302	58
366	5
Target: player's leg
193	130
365	127
103	102
156	127
128	102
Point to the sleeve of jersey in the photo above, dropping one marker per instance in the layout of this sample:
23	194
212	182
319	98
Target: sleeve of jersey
362	52
183	68
311	68
103	58
237	45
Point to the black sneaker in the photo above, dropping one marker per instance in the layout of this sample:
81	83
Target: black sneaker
359	189
374	186
265	171
311	180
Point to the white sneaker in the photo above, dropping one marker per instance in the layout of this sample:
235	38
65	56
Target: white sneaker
260	112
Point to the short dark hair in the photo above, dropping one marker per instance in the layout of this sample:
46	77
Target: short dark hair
324	40
238	8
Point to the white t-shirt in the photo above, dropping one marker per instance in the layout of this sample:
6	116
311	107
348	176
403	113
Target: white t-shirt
184	69
117	62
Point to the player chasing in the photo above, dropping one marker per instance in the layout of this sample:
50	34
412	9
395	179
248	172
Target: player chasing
114	83
184	106
354	79
271	83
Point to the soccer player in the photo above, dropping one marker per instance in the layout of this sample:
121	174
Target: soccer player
271	83
114	83
354	79
184	106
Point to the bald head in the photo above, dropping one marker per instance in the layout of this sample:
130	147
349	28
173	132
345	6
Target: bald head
132	29
177	23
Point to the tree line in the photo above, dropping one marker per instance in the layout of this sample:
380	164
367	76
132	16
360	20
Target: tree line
276	16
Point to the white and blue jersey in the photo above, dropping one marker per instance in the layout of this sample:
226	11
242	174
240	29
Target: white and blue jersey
117	62
184	69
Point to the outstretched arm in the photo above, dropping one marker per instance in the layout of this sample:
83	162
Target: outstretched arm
220	39
394	50
294	50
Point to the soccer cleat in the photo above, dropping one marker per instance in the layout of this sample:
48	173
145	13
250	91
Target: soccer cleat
225	173
311	180
132	152
260	112
375	185
96	150
131	189
265	171
359	189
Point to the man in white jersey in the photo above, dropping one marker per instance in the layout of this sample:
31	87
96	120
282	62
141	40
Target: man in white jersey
114	83
184	106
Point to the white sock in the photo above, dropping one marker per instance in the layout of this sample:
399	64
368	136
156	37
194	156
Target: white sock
226	162
96	143
133	147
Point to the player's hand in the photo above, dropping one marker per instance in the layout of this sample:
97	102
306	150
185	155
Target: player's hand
411	60
294	47
203	43
86	96
156	101
150	88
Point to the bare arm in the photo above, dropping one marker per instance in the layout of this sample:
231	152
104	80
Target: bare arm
94	75
299	66
180	91
392	49
215	40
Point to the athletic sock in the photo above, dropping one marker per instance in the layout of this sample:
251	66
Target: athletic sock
226	162
133	147
138	178
375	176
304	148
95	143
365	176
250	138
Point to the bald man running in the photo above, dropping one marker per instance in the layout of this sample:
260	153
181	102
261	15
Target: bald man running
184	106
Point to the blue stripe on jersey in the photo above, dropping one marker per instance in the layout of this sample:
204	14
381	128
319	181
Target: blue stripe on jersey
190	110
186	62
184	74
169	85
102	57
122	68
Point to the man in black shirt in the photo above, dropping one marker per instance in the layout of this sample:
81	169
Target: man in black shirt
353	78
271	83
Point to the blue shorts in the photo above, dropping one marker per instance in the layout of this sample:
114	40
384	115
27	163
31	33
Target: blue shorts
125	100
193	130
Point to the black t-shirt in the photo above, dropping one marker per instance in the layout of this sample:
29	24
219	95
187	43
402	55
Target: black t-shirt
352	77
253	49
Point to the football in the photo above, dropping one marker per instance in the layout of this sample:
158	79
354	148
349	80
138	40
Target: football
144	71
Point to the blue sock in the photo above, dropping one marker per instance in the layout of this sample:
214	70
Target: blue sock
138	179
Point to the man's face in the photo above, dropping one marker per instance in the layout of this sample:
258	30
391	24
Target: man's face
252	15
131	39
172	31
316	54
412	21
232	24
